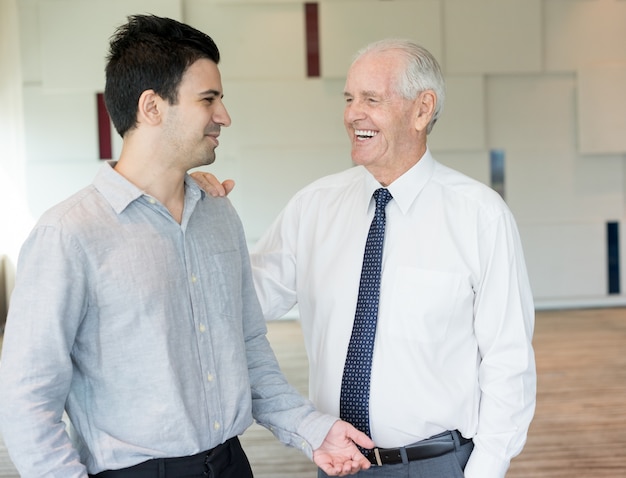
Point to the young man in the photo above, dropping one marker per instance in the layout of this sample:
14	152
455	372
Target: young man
134	309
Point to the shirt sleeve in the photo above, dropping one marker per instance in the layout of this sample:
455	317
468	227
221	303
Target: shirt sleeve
504	323
274	265
36	368
276	405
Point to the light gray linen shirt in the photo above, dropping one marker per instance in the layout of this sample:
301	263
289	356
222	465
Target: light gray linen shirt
148	333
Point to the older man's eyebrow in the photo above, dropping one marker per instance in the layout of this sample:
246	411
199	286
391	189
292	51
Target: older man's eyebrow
363	94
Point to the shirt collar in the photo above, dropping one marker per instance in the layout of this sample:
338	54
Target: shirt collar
115	188
407	187
119	192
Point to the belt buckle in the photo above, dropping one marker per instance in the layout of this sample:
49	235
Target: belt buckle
377	456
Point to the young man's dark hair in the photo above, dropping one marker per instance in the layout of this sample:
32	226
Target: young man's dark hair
150	53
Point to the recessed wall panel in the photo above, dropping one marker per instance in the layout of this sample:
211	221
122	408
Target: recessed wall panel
602	108
584	32
347	26
30	43
286	113
256	41
568	261
493	36
558	188
461	126
75	36
60	126
531	112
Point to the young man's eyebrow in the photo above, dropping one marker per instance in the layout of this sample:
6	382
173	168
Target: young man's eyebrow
211	92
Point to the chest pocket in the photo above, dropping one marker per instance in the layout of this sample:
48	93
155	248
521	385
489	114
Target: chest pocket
425	303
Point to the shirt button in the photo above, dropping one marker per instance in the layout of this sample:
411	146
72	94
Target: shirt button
216	425
202	328
152	201
210	377
194	278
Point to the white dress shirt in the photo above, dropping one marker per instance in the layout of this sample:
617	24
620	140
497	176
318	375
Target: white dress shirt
453	343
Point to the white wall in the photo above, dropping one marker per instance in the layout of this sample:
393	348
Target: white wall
15	218
542	80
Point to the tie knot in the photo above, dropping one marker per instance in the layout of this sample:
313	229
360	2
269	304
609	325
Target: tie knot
382	197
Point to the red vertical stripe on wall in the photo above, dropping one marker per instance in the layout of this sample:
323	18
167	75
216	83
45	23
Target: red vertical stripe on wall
311	21
104	129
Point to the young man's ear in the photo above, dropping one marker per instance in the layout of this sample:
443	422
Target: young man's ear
150	108
426	102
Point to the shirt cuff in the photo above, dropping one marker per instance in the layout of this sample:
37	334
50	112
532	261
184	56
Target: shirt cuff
313	430
483	465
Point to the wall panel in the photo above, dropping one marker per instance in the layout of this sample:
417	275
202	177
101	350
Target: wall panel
256	41
602	108
551	187
347	26
75	36
284	113
531	112
30	41
493	36
461	126
583	32
566	261
60	126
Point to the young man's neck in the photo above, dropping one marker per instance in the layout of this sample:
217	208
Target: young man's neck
160	180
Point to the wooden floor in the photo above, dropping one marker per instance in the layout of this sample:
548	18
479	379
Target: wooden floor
579	428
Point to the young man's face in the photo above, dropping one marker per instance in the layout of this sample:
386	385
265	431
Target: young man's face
193	124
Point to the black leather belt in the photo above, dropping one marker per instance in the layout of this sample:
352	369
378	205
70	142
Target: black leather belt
433	447
173	466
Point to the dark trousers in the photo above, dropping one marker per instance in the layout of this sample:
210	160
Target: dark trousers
227	460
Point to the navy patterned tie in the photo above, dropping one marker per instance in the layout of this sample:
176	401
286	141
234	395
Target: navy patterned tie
355	385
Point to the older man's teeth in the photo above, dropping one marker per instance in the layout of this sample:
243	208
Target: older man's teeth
363	133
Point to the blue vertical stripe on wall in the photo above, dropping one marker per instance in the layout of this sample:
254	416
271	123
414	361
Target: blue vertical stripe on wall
612	243
496	167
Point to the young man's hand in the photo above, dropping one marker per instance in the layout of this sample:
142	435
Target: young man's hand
338	454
